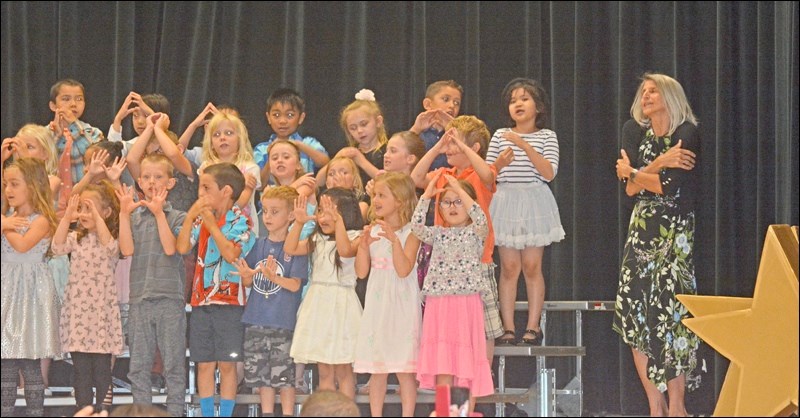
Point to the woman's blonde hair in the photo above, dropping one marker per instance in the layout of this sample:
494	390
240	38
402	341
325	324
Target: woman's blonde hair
245	154
47	140
674	99
404	192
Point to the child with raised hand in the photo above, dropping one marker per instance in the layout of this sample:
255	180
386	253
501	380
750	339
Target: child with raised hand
285	113
201	120
156	138
523	208
68	102
37	141
91	330
102	161
388	337
139	108
465	143
285	169
442	103
403	152
157	321
328	317
271	312
453	345
222	234
362	123
226	140
343	172
29	302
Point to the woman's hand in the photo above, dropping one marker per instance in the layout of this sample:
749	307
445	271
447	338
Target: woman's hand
676	157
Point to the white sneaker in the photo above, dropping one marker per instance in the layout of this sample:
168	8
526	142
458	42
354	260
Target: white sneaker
48	392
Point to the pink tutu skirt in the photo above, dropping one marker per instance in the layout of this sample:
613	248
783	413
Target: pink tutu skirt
454	343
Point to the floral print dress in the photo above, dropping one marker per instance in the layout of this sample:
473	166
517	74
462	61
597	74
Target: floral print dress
657	264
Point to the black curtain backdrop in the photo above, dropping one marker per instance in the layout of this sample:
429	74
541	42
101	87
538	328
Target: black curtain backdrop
737	61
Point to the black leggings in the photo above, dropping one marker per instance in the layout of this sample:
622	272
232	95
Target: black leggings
34	386
91	370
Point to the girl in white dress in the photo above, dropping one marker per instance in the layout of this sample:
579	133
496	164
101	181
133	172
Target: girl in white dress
328	317
388	338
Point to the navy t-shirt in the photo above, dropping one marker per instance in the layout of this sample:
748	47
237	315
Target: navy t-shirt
270	305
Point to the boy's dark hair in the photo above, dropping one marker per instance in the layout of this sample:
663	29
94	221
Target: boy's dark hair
227	174
158	102
288	96
114	150
347	203
64	82
539	98
434	88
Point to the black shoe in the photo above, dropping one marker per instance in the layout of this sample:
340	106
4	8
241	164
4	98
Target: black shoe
537	338
502	341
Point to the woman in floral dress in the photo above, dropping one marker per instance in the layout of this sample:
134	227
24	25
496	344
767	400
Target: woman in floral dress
660	145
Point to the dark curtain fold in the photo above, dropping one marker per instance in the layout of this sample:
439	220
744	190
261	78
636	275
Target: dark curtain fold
737	61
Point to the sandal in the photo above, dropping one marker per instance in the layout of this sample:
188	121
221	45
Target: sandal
537	337
506	341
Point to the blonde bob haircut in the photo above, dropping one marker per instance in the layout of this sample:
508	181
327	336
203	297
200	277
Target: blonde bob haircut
674	99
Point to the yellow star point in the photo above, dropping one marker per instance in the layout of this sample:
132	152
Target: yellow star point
759	335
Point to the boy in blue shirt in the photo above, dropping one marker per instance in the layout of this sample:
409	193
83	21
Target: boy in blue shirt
285	113
271	312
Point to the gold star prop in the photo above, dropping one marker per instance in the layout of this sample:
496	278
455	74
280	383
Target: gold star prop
759	335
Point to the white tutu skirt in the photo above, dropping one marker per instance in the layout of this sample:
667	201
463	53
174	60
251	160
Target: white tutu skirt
525	215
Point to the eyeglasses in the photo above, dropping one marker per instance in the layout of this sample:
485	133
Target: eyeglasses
450	203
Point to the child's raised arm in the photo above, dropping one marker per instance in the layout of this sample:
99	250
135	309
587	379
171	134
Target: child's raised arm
126	207
136	152
184	243
103	234
172	151
363	258
320	158
482	169
420	173
200	120
270	271
293	245
156	206
60	236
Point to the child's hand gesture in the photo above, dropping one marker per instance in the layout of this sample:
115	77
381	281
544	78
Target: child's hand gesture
243	270
250	181
10	146
71	212
370	187
349	152
504	158
198	208
431	191
126	203
445	140
307	180
387	231
115	171
329	209
269	269
125	110
162	122
98	218
366	238
156	202
514	138
300	213
97	165
13	222
203	118
453	182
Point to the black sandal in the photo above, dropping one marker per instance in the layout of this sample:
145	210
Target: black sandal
506	341
537	337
